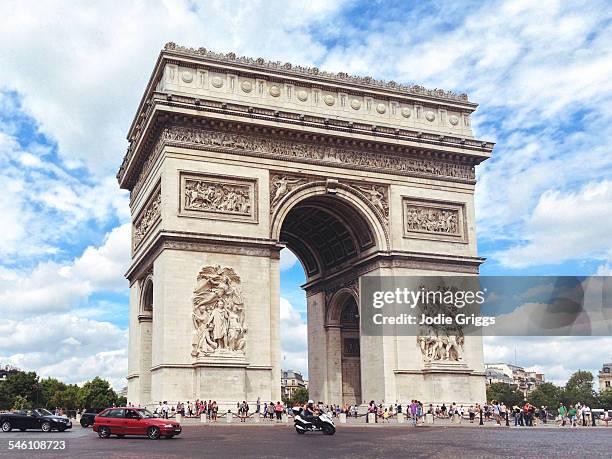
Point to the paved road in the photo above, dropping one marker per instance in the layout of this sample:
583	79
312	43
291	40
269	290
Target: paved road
279	441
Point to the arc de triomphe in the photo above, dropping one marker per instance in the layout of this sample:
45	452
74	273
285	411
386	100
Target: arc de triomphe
230	159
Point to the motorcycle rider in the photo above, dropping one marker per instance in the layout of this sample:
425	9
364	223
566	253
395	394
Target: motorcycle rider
309	413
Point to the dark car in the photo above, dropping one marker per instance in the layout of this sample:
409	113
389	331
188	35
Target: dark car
87	418
39	419
123	421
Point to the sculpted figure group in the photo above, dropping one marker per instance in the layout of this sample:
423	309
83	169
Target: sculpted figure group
431	220
216	197
218	313
447	348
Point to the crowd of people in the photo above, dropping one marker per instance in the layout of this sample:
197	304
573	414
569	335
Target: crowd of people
414	412
210	408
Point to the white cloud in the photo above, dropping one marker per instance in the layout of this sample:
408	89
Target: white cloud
66	347
565	226
294	338
287	259
81	71
53	287
42	205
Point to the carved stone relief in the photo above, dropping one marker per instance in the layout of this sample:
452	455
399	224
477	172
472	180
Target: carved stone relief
329	155
149	216
218	314
218	197
441	343
281	185
378	195
434	220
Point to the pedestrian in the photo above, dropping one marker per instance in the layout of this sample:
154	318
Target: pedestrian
571	414
271	411
279	411
562	413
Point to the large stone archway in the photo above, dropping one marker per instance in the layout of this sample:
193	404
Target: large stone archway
230	160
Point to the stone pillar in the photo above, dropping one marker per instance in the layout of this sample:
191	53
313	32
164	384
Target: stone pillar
317	348
334	364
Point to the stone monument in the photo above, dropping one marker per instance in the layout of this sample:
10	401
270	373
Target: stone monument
231	159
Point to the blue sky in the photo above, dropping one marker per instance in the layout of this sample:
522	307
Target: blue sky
70	81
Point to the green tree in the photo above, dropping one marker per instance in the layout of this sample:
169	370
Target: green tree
97	393
49	387
300	396
579	388
605	399
506	393
20	383
67	397
21	403
546	394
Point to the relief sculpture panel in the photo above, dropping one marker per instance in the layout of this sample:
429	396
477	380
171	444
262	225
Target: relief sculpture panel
147	219
218	314
438	220
218	197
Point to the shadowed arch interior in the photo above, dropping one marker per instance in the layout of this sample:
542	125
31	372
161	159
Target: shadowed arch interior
326	234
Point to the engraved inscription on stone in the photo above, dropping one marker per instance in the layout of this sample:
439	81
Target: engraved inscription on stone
218	197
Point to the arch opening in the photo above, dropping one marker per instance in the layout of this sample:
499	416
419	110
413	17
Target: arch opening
329	236
326	234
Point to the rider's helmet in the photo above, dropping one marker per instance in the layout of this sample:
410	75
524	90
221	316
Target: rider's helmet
310	403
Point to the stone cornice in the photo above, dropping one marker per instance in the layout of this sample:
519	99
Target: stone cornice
165	109
288	69
198	242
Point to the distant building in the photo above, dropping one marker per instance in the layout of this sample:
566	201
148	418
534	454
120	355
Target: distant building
291	381
6	371
605	377
122	392
525	381
497	376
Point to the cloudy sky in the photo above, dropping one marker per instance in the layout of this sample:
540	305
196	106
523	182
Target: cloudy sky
71	75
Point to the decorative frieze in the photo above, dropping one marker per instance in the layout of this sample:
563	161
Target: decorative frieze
317	153
427	219
147	219
218	197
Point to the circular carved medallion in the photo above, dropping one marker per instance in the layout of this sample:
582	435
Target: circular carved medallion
381	108
430	116
187	76
406	112
217	82
274	91
356	104
302	95
329	99
246	86
453	119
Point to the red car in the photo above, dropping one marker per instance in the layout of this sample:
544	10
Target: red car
123	421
